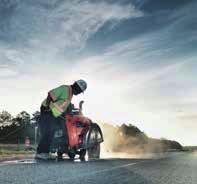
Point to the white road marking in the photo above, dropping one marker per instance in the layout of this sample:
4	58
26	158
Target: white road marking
10	162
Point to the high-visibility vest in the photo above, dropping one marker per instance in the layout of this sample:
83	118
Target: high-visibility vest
61	97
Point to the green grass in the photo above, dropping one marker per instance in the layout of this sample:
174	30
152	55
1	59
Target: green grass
12	150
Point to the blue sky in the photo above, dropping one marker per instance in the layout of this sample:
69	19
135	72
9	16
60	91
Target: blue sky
138	56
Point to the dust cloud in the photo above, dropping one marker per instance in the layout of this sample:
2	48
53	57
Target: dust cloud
127	141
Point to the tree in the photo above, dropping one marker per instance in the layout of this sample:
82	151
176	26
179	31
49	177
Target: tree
22	119
21	124
130	130
5	119
36	118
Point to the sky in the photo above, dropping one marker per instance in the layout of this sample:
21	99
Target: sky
138	57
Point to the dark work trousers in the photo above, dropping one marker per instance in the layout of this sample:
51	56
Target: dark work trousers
47	127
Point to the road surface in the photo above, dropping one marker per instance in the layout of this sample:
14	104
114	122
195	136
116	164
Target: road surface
174	169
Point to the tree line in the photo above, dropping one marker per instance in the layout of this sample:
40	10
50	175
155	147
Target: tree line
14	129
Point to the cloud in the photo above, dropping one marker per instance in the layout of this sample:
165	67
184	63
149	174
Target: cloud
142	80
120	85
79	20
9	62
68	25
10	56
44	31
189	118
6	72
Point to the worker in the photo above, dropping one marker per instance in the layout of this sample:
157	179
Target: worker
52	110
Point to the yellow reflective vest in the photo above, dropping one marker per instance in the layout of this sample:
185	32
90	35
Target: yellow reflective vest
61	97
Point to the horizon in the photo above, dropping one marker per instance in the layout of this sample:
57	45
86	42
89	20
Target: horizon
138	57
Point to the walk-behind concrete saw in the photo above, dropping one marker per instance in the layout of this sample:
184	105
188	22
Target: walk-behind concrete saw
77	134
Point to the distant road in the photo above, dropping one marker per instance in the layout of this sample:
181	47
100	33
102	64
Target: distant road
177	169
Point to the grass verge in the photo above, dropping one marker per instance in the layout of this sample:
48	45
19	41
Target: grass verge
16	151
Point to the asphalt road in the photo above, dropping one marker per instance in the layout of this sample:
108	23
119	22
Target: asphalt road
172	169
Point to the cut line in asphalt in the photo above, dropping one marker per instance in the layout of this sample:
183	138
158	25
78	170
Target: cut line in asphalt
113	168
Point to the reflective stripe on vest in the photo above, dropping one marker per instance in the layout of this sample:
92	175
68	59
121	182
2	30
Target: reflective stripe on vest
52	96
67	101
57	107
62	107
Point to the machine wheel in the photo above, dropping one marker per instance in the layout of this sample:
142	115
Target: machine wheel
94	152
93	139
71	155
82	154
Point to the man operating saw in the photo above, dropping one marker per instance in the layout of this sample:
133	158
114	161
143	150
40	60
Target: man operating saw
52	109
